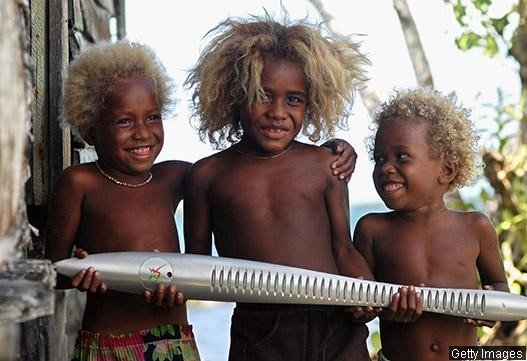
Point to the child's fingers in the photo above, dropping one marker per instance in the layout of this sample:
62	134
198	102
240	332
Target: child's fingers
479	323
171	295
147	295
88	277
180	298
95	282
418	307
76	281
80	253
159	294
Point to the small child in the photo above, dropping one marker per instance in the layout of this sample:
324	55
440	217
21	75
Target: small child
269	197
115	97
424	147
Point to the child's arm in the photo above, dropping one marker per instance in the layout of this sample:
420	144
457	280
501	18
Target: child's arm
349	261
406	305
489	262
63	223
197	222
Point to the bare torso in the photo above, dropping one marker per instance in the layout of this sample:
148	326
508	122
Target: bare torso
272	210
439	251
115	218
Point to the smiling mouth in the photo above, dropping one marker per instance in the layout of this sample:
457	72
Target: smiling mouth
391	187
274	132
140	150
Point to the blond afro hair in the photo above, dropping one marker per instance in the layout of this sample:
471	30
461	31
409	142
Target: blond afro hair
227	75
451	134
99	68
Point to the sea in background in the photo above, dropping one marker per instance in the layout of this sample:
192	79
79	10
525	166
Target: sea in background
211	320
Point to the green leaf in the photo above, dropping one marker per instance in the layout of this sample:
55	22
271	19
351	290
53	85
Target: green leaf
491	48
459	12
467	40
482	5
500	24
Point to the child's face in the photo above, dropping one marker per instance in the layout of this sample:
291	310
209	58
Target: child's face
129	133
405	175
270	127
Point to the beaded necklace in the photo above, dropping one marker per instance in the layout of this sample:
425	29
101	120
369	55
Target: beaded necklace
121	183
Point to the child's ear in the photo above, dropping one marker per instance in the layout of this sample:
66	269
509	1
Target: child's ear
89	135
448	172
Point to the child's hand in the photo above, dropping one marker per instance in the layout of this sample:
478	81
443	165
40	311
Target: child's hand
363	313
87	280
344	166
477	323
406	306
169	296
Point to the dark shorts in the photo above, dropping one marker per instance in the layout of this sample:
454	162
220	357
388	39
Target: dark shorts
168	342
295	332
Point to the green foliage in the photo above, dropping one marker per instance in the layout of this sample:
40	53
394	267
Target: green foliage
506	174
490	33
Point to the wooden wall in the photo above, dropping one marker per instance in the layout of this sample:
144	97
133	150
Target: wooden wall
38	38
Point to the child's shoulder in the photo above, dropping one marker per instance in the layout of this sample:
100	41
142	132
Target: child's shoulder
79	174
216	160
171	166
322	155
374	219
472	219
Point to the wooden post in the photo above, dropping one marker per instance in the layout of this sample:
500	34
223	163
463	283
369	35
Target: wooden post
31	295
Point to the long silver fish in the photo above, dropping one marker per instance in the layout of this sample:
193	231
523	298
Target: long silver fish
235	280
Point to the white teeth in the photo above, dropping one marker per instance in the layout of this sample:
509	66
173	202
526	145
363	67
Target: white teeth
141	150
392	187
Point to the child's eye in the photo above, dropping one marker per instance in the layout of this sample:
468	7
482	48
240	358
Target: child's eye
124	121
294	99
402	156
154	117
378	159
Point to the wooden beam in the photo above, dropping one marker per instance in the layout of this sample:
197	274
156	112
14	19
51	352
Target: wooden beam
59	136
27	290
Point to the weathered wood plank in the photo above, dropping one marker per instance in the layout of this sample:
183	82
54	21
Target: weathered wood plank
59	136
26	290
38	191
96	22
14	117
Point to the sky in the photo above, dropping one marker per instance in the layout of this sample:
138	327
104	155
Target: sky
176	30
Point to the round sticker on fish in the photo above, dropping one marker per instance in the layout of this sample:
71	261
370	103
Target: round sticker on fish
155	270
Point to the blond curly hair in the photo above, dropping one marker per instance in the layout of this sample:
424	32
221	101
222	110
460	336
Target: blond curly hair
99	68
227	76
451	134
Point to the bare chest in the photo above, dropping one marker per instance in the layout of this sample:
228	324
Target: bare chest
118	221
436	255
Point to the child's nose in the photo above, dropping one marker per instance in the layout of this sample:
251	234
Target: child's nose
141	131
277	110
388	167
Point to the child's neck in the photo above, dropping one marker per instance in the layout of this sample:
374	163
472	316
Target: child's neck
245	149
428	211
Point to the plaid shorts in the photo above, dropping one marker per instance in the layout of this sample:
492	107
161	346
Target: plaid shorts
168	342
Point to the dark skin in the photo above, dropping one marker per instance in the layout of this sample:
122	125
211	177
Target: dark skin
90	212
423	242
275	202
95	215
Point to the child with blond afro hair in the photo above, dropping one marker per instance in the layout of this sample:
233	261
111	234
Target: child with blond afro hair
269	197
